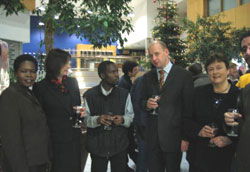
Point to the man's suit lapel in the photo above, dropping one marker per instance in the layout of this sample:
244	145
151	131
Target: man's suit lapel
57	95
155	81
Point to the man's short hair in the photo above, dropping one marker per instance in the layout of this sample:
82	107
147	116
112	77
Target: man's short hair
128	66
195	69
163	44
102	68
246	34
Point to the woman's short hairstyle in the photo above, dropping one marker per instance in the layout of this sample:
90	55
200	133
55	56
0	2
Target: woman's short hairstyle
102	68
128	66
22	58
55	60
217	57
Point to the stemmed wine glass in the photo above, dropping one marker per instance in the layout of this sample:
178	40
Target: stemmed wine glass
77	112
157	99
234	129
109	127
215	128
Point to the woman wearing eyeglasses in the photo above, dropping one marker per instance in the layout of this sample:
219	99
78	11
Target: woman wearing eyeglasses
211	150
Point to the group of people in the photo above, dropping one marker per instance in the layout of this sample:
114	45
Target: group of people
163	109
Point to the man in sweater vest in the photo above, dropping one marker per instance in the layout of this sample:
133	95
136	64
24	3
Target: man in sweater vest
109	113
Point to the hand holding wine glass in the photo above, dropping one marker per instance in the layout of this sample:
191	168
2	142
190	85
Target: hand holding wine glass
231	119
79	112
154	104
106	120
214	128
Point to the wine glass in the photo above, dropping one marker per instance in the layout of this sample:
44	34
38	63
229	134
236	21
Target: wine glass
234	129
215	128
109	127
77	112
157	99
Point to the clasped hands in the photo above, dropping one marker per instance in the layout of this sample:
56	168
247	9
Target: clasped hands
219	141
108	119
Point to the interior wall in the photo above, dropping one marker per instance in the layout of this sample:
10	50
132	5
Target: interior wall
63	41
12	26
239	16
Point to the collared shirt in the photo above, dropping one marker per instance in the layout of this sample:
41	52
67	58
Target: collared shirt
166	69
91	121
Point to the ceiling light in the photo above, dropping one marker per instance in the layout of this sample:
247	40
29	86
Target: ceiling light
41	24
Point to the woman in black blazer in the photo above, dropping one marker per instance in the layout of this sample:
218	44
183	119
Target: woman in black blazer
210	151
23	125
58	94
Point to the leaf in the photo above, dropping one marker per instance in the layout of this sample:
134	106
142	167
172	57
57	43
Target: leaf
105	23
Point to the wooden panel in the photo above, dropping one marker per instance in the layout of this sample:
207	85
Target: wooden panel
195	8
29	4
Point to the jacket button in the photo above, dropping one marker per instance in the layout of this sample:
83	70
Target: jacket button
70	118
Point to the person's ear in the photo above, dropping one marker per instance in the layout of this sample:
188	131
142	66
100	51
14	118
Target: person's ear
129	73
102	76
167	51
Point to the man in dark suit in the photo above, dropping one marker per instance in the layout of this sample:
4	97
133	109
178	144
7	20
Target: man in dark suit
242	163
166	129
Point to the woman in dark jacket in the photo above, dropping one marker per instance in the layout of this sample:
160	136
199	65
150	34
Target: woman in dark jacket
210	103
58	94
23	125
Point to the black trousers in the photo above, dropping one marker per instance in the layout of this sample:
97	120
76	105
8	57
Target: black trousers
118	163
38	168
158	160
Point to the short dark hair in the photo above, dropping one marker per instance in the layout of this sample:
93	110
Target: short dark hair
128	66
195	69
246	34
217	57
55	60
22	58
102	68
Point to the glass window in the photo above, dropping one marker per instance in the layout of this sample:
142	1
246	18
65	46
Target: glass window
245	1
229	4
213	7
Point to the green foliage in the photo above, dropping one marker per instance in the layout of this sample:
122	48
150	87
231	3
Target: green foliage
168	30
100	21
208	35
11	6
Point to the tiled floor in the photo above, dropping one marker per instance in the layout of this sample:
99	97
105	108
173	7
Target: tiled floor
184	164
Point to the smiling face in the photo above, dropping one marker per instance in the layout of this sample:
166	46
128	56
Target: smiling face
26	73
217	72
158	55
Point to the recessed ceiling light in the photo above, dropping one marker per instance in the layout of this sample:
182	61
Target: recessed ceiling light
41	24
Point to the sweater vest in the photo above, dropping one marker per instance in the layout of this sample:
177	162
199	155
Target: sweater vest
106	143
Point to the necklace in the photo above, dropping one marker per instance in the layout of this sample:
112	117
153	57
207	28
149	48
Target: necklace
225	90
